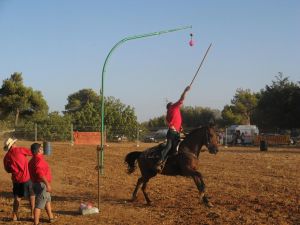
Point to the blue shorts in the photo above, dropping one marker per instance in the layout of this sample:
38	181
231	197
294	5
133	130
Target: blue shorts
23	189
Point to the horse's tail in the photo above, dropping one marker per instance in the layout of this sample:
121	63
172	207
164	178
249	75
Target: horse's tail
130	160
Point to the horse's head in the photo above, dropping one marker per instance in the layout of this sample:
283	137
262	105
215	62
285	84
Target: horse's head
211	140
206	136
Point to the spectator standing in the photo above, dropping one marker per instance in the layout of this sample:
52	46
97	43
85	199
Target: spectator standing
41	177
243	138
16	162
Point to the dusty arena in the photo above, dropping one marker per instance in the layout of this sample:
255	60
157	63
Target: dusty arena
245	185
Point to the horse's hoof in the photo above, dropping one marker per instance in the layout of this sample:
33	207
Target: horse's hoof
149	203
132	200
209	205
158	169
206	202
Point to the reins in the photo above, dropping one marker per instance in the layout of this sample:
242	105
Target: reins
185	141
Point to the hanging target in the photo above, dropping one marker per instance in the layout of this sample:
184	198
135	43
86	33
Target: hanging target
191	42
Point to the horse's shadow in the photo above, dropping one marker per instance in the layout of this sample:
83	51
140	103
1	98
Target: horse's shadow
57	198
21	220
67	212
138	204
6	194
126	202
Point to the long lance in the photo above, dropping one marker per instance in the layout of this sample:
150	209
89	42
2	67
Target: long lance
201	64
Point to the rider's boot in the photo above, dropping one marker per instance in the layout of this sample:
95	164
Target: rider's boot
161	162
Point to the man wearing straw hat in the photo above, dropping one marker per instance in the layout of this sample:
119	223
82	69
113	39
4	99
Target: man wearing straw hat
16	162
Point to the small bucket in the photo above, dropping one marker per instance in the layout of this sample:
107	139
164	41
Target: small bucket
263	145
47	148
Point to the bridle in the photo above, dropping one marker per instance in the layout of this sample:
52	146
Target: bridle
206	142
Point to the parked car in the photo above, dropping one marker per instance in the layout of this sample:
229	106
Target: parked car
158	136
150	139
119	138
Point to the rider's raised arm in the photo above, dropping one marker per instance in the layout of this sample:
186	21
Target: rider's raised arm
182	97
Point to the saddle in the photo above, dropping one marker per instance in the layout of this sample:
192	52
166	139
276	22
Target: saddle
155	152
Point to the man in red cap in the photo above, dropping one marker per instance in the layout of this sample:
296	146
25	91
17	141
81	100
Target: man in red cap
16	162
174	121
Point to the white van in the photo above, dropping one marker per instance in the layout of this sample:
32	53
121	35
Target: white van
246	133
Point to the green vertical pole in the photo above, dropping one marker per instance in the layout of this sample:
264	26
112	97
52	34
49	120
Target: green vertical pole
35	132
101	149
71	131
137	136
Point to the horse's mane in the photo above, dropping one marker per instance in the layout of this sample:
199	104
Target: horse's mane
191	134
194	131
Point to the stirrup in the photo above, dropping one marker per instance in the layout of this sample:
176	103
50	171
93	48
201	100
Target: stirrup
159	165
174	153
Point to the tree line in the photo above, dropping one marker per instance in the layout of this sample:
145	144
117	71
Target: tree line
274	107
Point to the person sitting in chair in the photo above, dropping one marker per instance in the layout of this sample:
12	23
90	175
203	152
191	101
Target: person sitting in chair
174	122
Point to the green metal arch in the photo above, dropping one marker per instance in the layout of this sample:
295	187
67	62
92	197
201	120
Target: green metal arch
100	149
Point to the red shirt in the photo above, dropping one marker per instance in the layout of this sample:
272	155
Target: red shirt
174	116
16	163
38	168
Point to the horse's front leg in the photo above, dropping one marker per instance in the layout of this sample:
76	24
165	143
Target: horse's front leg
197	177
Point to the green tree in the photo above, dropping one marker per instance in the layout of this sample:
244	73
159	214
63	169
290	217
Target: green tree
119	118
19	101
279	105
84	109
198	116
157	122
54	127
229	116
191	117
80	99
87	118
241	108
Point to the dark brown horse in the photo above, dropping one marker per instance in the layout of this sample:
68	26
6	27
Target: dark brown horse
183	164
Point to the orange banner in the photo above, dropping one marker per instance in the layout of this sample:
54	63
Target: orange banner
273	139
87	138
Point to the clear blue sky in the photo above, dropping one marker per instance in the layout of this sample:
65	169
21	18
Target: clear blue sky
60	47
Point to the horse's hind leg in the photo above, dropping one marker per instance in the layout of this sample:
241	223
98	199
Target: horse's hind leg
141	181
138	184
145	193
197	177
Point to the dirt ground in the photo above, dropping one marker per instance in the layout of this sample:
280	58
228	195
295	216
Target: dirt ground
245	185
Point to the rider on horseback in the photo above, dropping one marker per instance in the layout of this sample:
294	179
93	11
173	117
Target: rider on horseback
174	121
